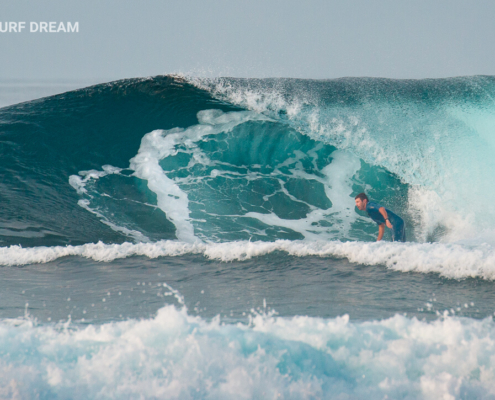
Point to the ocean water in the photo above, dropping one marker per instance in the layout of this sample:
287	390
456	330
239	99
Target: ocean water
187	238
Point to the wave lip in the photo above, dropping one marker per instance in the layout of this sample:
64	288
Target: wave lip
177	356
449	260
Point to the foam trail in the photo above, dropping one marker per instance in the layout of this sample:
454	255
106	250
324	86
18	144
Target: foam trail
171	199
157	145
448	260
79	183
136	235
178	356
339	188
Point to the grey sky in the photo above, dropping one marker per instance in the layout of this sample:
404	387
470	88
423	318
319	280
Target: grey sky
310	39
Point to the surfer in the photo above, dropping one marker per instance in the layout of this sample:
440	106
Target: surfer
382	217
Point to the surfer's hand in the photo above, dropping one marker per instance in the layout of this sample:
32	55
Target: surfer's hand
389	225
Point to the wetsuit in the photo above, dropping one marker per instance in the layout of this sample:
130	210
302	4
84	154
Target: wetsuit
398	227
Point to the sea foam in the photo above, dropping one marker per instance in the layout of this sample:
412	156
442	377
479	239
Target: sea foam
449	260
178	356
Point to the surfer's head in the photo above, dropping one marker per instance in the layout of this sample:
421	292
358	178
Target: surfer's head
361	201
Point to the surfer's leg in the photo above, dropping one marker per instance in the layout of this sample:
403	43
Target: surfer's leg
399	231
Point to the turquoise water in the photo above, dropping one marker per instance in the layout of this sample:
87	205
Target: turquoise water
178	237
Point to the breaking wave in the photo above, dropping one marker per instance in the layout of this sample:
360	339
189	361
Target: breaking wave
197	163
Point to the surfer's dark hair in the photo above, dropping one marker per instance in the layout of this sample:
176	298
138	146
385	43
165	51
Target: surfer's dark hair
361	196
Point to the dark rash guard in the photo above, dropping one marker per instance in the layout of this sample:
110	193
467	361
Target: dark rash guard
398	229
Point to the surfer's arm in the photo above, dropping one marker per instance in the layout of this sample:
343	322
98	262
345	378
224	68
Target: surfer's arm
382	211
381	231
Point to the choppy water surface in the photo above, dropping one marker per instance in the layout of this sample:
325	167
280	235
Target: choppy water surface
92	292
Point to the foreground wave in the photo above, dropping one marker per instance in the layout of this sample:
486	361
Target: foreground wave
448	260
178	356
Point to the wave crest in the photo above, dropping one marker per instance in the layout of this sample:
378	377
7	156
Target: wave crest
448	260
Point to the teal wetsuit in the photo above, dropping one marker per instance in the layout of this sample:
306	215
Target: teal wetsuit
398	227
